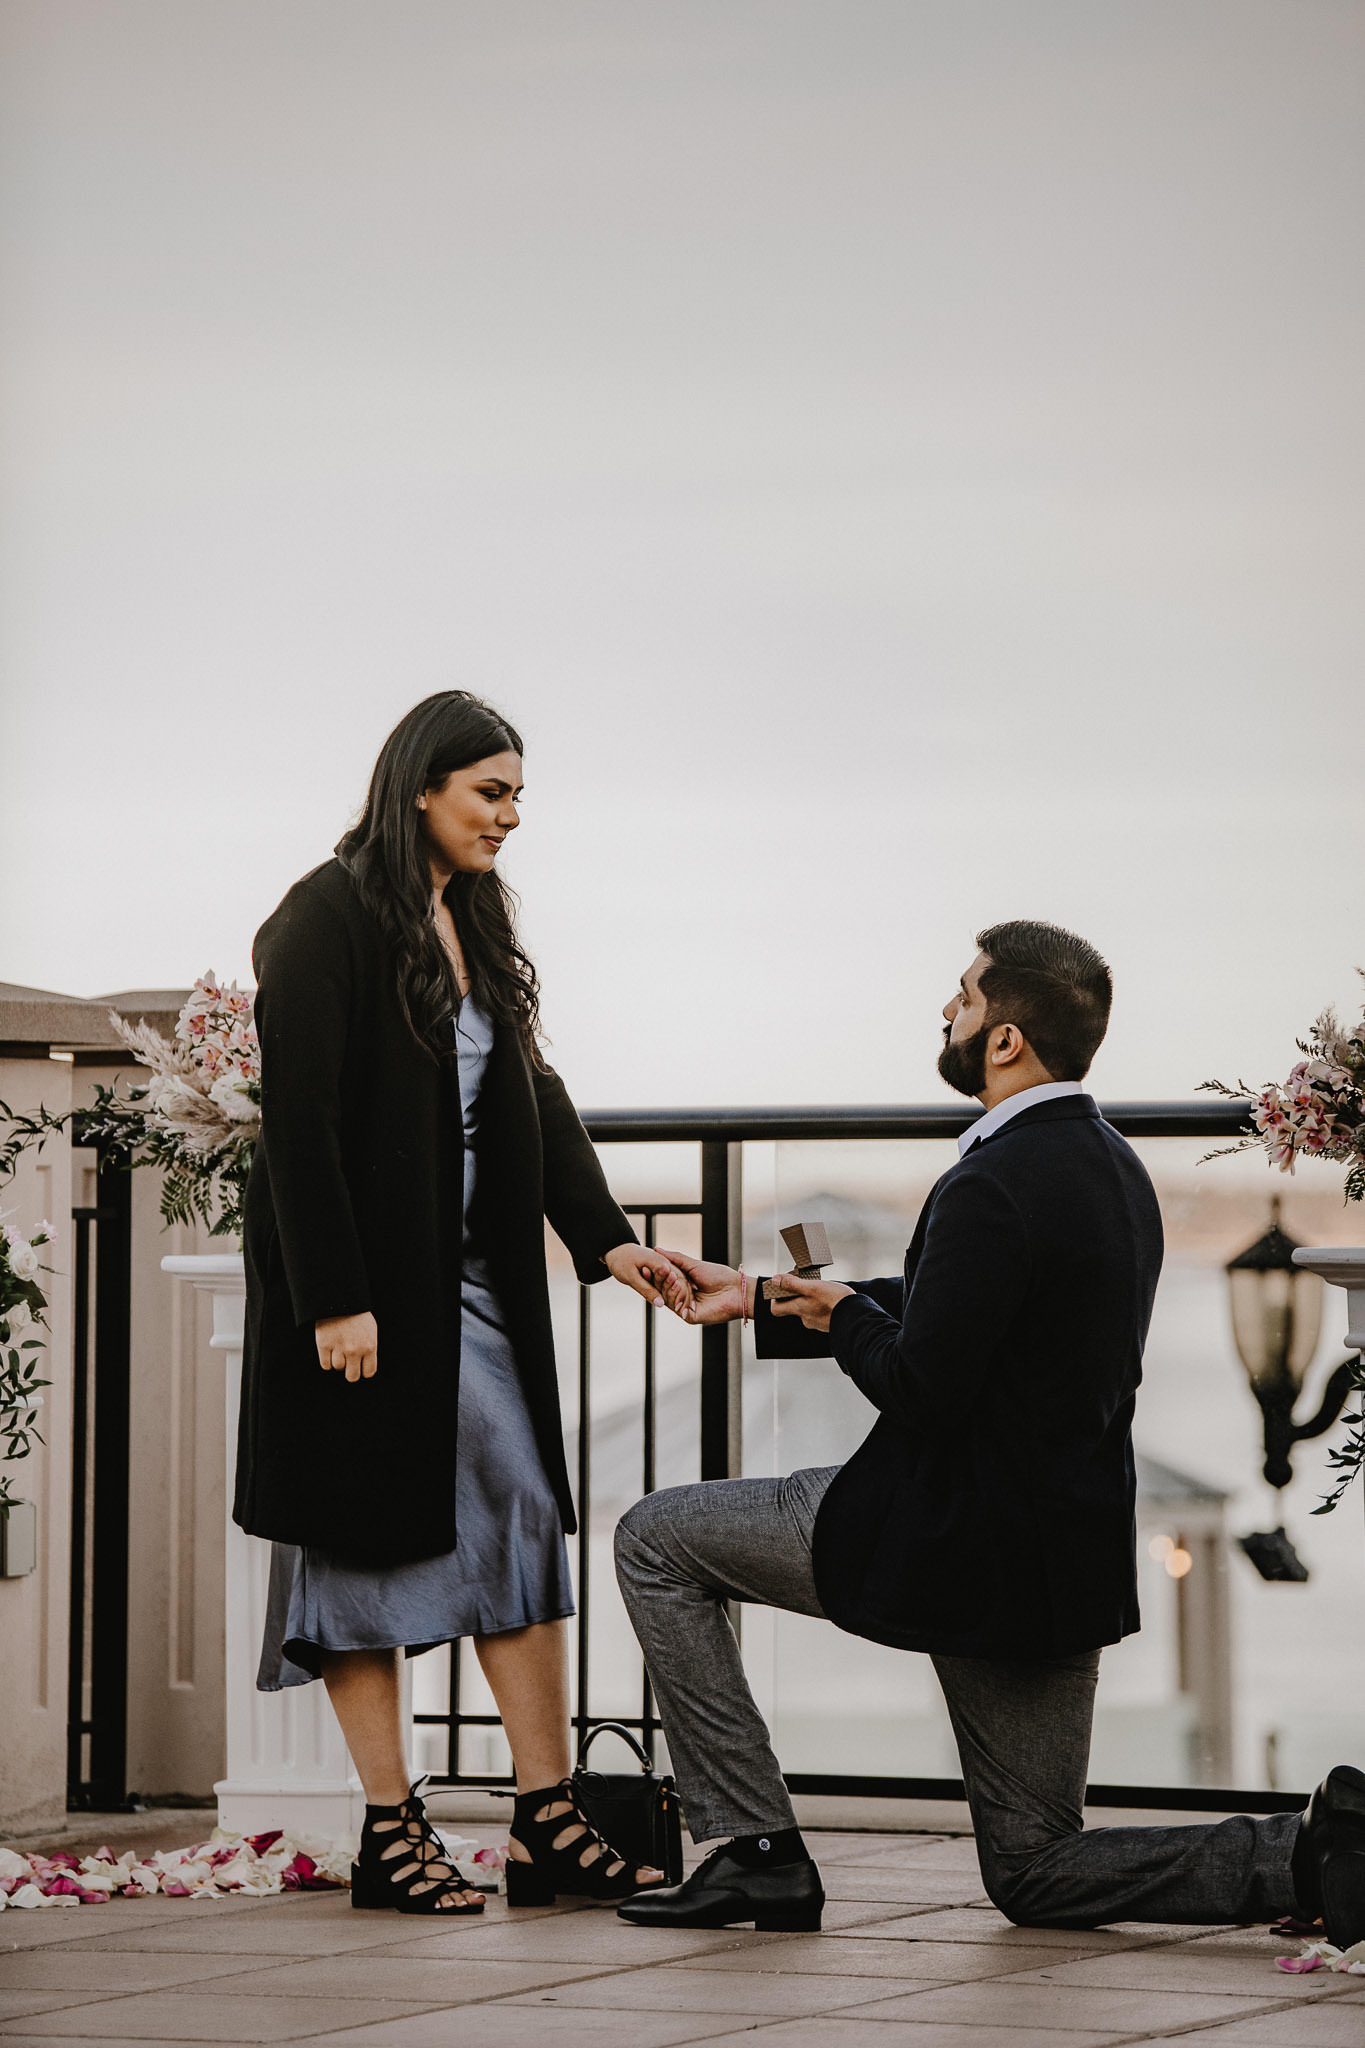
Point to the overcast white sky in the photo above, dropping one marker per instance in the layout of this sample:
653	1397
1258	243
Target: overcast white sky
899	461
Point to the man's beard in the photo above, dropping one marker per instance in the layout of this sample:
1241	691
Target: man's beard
963	1065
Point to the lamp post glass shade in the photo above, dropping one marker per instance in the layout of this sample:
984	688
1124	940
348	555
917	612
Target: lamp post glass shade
1276	1313
1276	1321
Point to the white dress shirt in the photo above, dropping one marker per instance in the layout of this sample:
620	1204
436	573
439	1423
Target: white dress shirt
1050	1091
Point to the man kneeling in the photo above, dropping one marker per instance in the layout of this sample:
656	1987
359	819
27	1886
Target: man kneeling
987	1520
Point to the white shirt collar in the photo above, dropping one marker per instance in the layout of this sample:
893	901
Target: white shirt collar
1050	1091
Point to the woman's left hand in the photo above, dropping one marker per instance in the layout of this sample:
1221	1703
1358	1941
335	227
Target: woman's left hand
651	1274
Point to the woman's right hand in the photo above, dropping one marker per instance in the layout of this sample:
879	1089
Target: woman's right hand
349	1344
717	1293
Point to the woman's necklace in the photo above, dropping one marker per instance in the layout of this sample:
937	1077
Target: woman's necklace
450	939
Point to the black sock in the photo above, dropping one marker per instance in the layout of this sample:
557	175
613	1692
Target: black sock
783	1845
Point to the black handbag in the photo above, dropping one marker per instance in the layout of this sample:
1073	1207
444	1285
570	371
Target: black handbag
635	1811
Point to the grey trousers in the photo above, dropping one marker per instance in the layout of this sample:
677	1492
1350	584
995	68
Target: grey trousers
1022	1729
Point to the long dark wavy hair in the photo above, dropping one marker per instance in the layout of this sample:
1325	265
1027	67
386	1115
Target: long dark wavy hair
386	852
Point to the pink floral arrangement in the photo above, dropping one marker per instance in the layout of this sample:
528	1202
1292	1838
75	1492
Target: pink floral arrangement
1318	1112
215	1030
199	1116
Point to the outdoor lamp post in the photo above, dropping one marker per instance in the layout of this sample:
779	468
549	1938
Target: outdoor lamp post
1276	1318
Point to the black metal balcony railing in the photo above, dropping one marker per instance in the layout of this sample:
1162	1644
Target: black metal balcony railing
720	1136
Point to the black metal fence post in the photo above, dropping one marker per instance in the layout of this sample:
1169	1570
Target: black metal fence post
581	1709
77	1716
721	1223
101	1422
112	1438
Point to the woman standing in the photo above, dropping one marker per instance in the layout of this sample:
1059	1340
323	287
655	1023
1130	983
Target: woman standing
400	1436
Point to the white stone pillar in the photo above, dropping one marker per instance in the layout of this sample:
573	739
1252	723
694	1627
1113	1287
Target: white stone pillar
287	1766
1344	1266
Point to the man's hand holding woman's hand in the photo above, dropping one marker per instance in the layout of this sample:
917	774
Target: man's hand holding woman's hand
652	1274
717	1295
713	1290
349	1344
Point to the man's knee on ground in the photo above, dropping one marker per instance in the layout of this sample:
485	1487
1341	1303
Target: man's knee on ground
1027	1895
1009	1892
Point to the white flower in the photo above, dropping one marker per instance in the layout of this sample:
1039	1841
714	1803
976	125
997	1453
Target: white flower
171	1097
18	1318
23	1259
229	1092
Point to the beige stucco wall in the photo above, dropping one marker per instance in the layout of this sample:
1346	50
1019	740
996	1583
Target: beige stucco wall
33	1610
176	1466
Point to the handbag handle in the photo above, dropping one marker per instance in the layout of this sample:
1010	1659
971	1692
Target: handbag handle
614	1728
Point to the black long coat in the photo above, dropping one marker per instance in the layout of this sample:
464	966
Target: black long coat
990	1512
355	1201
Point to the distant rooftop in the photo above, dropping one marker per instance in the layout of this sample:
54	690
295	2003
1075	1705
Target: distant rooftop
36	1021
159	1002
1158	1483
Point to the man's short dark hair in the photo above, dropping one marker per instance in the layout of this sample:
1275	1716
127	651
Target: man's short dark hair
1053	986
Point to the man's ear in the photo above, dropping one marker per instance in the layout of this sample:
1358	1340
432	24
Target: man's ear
1010	1046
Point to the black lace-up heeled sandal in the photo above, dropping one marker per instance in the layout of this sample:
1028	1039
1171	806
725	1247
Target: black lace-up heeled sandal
404	1864
567	1853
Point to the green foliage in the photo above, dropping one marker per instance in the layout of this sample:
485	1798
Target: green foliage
19	1381
26	1132
1350	1459
22	1302
1241	1093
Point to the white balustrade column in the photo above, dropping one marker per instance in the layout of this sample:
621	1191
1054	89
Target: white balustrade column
1344	1266
287	1766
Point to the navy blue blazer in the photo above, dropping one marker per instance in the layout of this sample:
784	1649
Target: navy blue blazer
990	1513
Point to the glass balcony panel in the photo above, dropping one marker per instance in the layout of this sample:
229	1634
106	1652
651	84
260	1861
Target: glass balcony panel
1232	1680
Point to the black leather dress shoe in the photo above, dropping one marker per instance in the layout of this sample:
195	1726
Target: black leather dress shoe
786	1898
1328	1862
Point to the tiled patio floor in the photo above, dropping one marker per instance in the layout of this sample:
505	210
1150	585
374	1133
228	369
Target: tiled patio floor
911	1956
